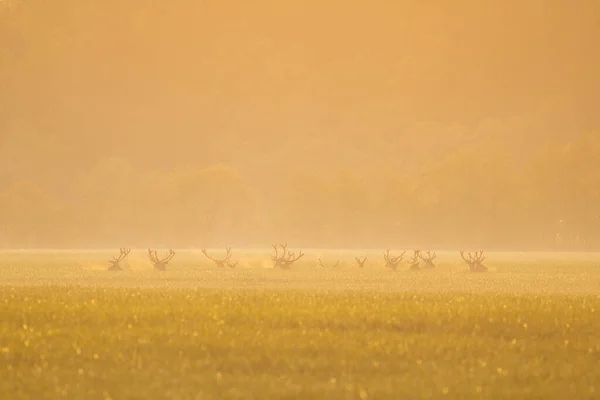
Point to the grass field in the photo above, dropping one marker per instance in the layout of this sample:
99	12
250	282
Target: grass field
529	328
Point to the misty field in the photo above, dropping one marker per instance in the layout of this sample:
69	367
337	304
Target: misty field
528	328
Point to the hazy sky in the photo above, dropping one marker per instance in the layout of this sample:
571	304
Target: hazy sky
92	88
121	72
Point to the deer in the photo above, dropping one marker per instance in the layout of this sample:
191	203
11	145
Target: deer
392	262
160	265
474	261
360	262
414	261
323	265
428	259
221	263
115	263
286	258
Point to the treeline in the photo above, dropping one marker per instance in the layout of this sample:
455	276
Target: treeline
471	197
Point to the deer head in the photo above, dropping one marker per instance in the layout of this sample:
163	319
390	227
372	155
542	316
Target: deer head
285	259
428	259
223	262
323	265
392	262
474	261
360	262
115	263
160	264
414	261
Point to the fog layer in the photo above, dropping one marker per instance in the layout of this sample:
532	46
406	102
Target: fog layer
321	123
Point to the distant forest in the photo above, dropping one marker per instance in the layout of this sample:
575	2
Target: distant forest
323	124
470	197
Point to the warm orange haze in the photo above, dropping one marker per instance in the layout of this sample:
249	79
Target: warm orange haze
299	199
341	124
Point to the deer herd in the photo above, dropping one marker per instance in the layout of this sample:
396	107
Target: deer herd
282	258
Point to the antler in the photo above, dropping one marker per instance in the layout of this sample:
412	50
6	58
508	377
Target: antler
169	257
322	265
158	263
392	262
479	258
221	262
428	259
387	256
415	257
462	254
414	261
286	259
474	261
360	262
114	263
152	256
275	257
291	258
124	253
283	249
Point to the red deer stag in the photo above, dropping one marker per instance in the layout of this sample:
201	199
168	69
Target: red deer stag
428	259
223	262
323	265
286	258
160	265
392	262
474	261
115	263
360	261
414	261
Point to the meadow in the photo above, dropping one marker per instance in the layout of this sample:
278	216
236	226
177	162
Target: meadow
527	328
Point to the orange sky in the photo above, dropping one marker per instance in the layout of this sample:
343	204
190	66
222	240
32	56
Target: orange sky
267	86
335	65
